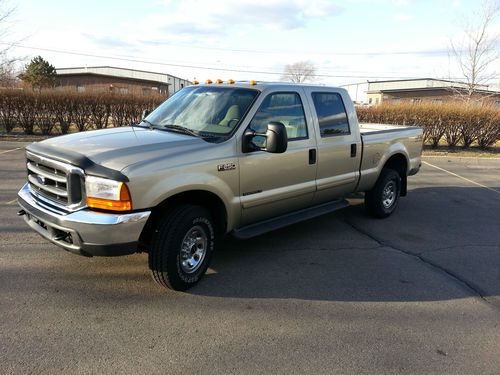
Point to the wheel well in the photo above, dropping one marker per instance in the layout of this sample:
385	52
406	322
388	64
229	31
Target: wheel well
399	163
197	197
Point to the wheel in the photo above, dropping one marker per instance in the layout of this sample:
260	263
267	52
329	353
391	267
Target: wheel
181	247
381	201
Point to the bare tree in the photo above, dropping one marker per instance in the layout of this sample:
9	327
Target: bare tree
478	51
7	69
299	72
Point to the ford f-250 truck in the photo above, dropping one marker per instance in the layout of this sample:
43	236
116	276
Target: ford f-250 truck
240	158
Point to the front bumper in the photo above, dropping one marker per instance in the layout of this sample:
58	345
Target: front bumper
85	232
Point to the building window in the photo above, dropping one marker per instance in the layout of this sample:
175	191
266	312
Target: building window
182	85
370	101
80	88
376	101
497	104
437	101
123	90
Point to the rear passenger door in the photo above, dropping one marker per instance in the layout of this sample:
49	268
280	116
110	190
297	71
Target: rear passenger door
274	184
339	145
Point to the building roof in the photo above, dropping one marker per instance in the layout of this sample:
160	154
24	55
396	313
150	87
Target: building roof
111	71
419	84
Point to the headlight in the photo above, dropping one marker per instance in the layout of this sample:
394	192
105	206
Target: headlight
107	194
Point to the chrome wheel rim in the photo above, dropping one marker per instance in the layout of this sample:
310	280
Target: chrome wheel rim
193	249
389	194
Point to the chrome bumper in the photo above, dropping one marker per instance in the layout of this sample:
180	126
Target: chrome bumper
85	232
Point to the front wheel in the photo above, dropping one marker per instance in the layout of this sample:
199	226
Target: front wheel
181	247
382	200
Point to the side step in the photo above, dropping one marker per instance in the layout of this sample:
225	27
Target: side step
288	219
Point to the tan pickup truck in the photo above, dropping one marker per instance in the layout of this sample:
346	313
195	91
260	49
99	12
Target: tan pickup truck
239	158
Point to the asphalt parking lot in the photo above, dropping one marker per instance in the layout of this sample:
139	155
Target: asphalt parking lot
417	293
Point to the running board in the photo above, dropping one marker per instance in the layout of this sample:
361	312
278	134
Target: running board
288	219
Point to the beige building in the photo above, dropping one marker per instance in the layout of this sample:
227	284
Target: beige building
415	90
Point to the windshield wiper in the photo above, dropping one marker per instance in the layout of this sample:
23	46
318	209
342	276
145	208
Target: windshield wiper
181	129
151	125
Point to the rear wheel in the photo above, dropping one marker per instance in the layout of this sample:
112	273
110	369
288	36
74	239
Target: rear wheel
382	200
181	247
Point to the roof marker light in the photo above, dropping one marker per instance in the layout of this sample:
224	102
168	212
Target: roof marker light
208	81
253	82
230	81
195	82
219	81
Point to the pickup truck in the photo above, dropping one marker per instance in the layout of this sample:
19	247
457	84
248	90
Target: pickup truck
242	158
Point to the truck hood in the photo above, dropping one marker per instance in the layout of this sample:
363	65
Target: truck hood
117	148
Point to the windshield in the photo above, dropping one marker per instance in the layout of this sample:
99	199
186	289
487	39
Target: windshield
216	110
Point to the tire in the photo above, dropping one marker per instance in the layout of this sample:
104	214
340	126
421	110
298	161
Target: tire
382	200
181	247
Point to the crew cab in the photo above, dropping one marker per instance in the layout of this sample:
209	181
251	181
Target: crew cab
240	158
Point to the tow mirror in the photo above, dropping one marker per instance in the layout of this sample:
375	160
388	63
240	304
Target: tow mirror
275	135
145	113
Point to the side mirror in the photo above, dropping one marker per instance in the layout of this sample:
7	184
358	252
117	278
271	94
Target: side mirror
145	113
276	139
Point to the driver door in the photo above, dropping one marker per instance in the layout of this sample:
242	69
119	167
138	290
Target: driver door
273	184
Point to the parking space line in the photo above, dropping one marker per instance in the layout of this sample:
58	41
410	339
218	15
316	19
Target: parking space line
12	201
461	177
14	149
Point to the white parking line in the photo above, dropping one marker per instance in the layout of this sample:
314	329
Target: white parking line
12	201
461	177
14	149
459	157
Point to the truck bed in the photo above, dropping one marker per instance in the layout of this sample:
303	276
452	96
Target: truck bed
378	142
369	128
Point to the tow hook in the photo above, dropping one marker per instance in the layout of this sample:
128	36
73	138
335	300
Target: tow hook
21	213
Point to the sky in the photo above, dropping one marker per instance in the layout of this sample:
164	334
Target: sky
348	41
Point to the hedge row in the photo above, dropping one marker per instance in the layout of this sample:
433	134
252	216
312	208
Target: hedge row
51	112
457	124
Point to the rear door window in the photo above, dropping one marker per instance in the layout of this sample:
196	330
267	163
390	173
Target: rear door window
332	116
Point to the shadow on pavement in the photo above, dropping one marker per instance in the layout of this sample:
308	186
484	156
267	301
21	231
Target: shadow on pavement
451	230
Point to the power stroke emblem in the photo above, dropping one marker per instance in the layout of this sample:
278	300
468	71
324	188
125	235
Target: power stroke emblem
226	167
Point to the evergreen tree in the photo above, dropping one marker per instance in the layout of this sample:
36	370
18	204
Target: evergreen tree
39	73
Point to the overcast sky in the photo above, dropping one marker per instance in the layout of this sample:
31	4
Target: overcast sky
349	40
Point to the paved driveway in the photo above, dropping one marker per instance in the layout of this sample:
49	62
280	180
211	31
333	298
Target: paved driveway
417	293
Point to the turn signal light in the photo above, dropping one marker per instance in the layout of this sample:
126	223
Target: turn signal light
124	204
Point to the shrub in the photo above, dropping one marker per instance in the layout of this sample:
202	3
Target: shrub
47	110
455	123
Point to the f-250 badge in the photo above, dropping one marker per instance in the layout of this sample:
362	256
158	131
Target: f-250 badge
226	167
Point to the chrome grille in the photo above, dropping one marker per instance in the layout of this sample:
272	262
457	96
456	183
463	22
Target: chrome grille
49	182
53	182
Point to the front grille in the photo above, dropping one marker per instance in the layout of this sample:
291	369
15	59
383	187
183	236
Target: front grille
54	182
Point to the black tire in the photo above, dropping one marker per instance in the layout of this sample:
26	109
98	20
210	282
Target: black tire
169	264
377	200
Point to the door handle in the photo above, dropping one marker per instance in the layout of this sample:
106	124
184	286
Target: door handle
312	156
353	150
